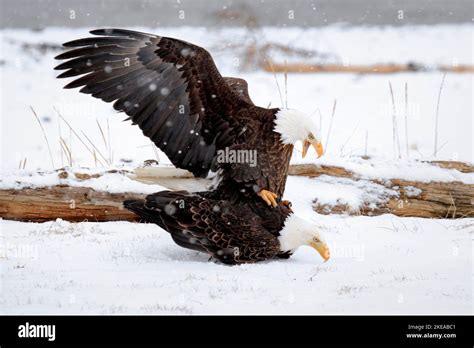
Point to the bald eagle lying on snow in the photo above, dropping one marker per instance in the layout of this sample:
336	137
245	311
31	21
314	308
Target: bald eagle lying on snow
173	91
231	232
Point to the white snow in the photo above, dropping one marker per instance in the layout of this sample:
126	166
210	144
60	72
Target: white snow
386	169
331	191
110	182
381	264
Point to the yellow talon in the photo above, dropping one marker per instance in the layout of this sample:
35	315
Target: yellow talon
269	197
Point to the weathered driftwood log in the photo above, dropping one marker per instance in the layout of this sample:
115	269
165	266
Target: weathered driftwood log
313	170
415	199
359	69
418	199
461	166
65	202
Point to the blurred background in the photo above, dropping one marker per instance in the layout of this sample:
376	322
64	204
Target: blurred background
43	13
385	79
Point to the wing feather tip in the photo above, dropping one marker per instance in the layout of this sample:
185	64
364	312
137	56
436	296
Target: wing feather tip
102	31
60	56
72	43
70	86
63	75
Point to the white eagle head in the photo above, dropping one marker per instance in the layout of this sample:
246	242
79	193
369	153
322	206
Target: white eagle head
294	125
297	232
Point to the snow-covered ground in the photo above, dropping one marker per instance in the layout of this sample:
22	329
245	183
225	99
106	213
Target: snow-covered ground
379	264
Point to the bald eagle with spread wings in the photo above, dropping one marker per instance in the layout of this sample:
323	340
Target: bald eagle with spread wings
173	91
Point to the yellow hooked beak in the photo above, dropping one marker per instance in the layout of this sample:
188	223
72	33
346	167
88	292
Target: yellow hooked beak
322	249
318	147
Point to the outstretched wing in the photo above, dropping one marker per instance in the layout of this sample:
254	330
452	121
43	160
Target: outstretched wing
230	234
170	88
240	86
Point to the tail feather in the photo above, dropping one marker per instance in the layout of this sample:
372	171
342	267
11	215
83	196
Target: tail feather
163	208
138	207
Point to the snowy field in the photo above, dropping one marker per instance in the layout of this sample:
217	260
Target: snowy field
382	264
379	265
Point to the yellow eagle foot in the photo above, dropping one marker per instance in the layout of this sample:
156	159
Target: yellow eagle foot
269	197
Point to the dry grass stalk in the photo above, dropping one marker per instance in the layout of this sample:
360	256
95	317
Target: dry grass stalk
437	117
77	136
366	142
330	125
278	85
286	84
396	140
66	150
95	148
406	121
44	135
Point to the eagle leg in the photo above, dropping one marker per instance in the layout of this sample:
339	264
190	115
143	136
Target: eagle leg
269	197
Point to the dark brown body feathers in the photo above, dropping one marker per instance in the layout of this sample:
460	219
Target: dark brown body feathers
173	91
232	233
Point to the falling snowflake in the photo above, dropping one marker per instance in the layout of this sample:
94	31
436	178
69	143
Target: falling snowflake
164	91
170	209
152	86
108	69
